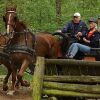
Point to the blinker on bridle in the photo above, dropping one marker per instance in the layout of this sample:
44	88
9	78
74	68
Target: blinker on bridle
10	11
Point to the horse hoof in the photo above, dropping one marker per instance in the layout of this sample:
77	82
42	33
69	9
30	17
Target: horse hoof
25	83
17	87
11	93
5	88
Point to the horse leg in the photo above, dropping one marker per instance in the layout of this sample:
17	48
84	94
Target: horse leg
21	72
14	71
14	78
5	86
31	68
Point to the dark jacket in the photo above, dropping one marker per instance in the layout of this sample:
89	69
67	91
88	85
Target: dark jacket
73	28
94	40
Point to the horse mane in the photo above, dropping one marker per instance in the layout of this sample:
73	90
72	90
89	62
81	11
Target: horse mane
23	24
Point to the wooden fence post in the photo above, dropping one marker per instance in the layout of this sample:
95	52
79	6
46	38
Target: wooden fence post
38	78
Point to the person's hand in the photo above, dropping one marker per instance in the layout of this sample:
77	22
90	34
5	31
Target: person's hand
79	34
59	31
85	40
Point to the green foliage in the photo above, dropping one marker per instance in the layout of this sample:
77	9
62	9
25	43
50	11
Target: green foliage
41	14
3	70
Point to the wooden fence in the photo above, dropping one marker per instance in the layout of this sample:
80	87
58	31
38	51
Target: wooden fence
65	85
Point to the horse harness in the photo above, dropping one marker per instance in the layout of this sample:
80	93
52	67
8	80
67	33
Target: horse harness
16	48
3	55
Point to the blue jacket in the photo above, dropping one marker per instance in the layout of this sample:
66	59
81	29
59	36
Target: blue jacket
73	28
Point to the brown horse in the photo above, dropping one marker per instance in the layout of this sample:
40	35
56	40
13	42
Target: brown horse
4	58
24	46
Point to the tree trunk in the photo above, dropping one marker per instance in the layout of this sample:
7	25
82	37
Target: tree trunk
58	12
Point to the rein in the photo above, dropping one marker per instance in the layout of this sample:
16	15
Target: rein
26	36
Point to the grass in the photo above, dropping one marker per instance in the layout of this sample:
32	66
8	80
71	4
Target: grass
3	70
28	77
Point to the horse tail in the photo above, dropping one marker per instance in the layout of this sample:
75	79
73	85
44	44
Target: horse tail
64	42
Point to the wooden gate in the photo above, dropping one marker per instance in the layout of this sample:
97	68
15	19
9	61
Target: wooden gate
75	85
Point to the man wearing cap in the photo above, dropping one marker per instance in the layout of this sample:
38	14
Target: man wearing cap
76	28
91	39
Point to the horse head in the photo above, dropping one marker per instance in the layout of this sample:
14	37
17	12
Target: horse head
10	19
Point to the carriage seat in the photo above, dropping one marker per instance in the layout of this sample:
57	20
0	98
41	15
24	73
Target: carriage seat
94	55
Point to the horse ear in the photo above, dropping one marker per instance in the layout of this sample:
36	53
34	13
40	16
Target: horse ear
6	8
15	6
4	19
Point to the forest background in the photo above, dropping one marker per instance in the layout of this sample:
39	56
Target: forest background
50	15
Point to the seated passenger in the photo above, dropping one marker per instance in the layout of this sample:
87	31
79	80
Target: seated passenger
76	27
98	24
90	40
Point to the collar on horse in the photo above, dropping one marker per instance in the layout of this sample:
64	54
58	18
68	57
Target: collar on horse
4	56
22	48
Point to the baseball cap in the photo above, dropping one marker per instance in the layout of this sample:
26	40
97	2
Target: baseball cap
77	14
92	20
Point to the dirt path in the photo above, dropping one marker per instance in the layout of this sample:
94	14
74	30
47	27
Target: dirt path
22	94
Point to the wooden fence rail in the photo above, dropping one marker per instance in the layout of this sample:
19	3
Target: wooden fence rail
81	63
74	86
74	79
